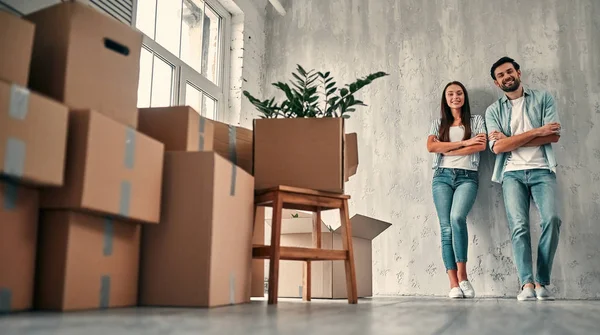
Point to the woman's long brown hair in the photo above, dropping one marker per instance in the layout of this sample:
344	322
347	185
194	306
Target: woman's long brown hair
448	119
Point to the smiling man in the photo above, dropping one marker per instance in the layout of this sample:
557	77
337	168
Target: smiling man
522	125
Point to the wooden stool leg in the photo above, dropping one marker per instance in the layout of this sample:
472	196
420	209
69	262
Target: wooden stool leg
275	243
349	263
306	282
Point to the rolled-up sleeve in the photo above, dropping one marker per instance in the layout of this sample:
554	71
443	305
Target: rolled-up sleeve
479	125
491	124
550	112
434	129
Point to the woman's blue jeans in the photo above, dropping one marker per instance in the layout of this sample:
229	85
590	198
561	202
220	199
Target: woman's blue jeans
454	192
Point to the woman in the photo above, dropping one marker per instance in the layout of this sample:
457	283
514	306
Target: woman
456	140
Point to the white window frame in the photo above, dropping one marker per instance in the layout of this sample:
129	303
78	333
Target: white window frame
184	73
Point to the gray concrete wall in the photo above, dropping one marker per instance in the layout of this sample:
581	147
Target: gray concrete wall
424	44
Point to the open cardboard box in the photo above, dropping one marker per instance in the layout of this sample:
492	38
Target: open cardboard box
328	277
311	153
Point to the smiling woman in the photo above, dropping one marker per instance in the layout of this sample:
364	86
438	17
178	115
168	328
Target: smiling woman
456	139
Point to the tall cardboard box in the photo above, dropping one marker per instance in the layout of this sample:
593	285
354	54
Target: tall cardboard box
257	289
235	144
86	262
16	43
329	277
111	169
33	136
310	153
18	240
200	254
87	60
179	128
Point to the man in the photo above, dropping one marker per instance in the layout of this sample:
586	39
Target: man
521	127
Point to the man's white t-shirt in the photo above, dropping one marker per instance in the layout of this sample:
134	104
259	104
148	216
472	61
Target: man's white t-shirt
523	158
457	162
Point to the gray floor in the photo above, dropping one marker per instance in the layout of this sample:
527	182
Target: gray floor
371	316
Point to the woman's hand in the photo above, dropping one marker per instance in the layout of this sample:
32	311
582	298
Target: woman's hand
479	139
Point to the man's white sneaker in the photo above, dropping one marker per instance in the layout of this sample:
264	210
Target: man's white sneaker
456	293
543	293
467	289
527	294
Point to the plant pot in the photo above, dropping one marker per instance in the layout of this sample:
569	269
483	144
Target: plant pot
307	153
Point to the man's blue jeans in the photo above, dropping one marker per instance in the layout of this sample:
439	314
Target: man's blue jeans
454	192
518	188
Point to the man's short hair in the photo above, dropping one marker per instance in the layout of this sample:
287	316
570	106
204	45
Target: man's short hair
501	61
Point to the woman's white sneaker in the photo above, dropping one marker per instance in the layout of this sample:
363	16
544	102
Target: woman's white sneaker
456	293
467	289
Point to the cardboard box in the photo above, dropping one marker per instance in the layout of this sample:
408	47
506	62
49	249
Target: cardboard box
235	144
329	277
200	254
306	153
179	128
111	169
33	136
86	262
16	44
87	60
257	289
18	240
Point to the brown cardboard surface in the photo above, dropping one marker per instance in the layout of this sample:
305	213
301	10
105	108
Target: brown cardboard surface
329	277
258	265
179	128
224	145
33	139
305	153
16	44
111	169
200	254
74	60
86	262
18	241
351	154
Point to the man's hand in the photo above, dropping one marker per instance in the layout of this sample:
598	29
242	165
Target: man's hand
496	135
549	129
479	139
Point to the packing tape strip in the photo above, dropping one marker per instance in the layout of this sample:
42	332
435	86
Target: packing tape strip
300	290
11	195
108	236
232	158
231	288
105	291
201	135
5	299
129	162
19	102
14	157
129	148
125	198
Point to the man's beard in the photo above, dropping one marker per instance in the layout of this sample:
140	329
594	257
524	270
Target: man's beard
515	85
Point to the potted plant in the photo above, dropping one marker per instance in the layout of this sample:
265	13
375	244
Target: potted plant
300	141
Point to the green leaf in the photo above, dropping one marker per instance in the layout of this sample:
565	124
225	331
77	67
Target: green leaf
343	92
346	116
301	70
330	85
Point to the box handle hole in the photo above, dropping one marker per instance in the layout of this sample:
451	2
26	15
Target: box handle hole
116	47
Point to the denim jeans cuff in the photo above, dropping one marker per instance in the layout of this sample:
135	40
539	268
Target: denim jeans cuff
461	261
527	282
448	269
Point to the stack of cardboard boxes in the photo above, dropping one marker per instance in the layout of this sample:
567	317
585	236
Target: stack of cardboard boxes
90	227
33	134
200	254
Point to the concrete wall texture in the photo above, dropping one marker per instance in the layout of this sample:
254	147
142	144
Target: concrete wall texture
423	45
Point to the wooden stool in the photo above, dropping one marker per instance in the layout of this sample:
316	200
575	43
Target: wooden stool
313	201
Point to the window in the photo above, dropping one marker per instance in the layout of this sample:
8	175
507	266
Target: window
186	46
